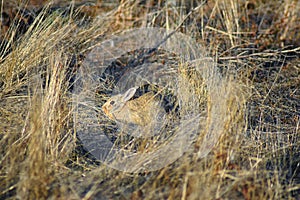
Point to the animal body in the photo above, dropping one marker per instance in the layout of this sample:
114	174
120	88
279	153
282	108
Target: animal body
144	113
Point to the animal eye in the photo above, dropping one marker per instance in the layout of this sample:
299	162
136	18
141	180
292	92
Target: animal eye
112	103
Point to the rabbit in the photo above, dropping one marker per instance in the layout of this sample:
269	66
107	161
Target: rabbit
144	113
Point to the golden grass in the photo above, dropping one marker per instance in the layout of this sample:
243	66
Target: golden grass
256	47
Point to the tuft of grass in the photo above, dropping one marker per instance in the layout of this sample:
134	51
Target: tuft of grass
255	45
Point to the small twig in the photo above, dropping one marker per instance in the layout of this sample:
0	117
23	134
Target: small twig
262	54
273	84
247	56
141	57
222	32
296	50
176	29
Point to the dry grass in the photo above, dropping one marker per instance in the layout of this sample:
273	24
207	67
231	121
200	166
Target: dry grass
256	46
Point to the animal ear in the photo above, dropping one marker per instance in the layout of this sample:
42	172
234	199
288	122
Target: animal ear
129	94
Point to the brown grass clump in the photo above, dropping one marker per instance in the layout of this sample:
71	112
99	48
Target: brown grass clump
255	45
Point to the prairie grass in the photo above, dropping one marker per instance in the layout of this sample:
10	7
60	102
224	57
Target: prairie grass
256	47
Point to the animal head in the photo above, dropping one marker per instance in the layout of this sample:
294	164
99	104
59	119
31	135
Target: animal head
116	103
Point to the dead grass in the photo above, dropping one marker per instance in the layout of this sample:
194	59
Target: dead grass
256	46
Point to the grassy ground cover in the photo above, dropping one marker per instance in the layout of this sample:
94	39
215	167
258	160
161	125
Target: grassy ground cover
256	45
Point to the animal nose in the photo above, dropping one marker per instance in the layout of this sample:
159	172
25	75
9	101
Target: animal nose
106	111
